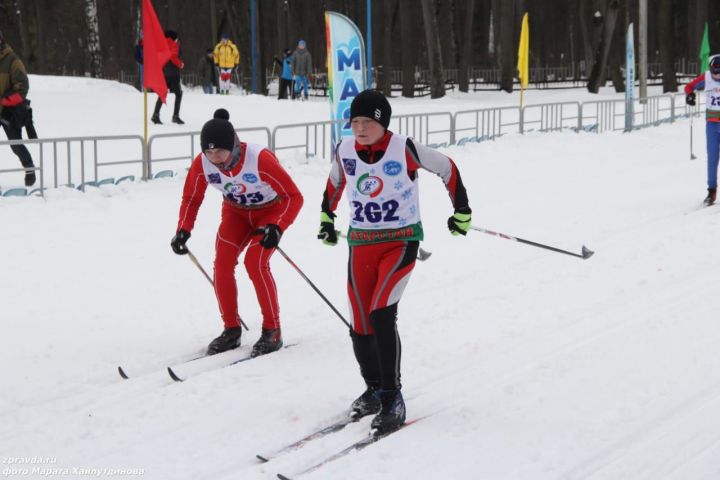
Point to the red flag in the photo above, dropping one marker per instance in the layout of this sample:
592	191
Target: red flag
155	51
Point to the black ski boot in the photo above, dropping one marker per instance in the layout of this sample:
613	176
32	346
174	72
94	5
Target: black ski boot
30	179
270	341
156	119
392	412
710	199
176	119
366	404
228	339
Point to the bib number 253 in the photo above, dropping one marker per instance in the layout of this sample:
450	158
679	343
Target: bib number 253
373	212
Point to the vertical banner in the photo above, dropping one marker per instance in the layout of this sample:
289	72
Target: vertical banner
704	54
629	79
523	64
346	69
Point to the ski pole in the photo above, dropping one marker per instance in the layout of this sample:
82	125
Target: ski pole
313	286
692	155
586	252
422	254
197	264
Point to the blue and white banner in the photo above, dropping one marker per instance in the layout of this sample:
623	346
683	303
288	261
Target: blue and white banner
629	79
346	69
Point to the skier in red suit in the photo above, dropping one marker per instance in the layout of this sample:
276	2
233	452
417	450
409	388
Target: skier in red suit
261	202
380	171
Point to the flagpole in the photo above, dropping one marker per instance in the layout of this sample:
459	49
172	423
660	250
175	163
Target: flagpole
145	133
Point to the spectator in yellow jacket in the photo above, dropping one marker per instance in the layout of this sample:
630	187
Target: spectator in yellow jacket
226	58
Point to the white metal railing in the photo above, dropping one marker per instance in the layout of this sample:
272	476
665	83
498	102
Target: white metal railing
77	160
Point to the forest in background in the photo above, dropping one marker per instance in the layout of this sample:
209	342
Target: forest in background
97	37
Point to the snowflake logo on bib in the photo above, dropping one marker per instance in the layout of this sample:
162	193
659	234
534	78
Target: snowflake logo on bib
369	185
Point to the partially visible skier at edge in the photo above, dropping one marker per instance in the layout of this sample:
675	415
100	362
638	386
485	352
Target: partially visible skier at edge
261	202
710	81
380	171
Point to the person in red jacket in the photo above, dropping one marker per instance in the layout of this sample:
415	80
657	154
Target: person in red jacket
261	202
172	78
380	171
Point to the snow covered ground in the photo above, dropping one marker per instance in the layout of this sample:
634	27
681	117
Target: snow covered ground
528	364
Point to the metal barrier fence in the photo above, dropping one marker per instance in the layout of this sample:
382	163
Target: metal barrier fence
78	167
77	160
186	150
315	138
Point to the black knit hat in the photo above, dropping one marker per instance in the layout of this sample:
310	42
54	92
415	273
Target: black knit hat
222	114
371	104
217	133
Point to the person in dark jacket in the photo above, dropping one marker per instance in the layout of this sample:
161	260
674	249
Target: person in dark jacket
285	74
172	78
301	64
14	86
206	72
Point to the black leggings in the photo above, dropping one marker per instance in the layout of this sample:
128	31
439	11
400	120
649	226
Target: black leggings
173	84
15	133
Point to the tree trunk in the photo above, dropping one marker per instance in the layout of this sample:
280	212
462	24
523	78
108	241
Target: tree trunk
389	17
597	75
281	17
93	53
713	19
665	37
214	34
408	47
504	43
432	36
467	46
445	11
481	36
24	42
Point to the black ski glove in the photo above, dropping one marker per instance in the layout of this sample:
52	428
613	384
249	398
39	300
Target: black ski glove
690	99
327	231
271	236
178	242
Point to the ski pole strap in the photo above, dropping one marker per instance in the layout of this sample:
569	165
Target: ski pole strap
586	252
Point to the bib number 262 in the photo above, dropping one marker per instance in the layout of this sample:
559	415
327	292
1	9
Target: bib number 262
373	212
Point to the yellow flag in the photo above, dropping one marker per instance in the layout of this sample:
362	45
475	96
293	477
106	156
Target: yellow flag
524	53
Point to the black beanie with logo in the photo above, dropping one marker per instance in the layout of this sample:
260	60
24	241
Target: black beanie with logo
217	133
371	104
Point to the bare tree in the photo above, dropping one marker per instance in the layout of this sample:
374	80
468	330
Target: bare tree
94	55
389	16
597	76
504	43
467	44
408	47
432	35
665	37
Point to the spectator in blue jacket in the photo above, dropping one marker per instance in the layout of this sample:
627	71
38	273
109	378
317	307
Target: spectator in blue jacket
285	74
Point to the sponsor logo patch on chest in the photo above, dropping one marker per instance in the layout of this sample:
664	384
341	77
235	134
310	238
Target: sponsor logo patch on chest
392	168
369	185
349	165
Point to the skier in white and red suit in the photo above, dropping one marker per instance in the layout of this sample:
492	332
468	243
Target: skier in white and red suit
261	202
380	171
